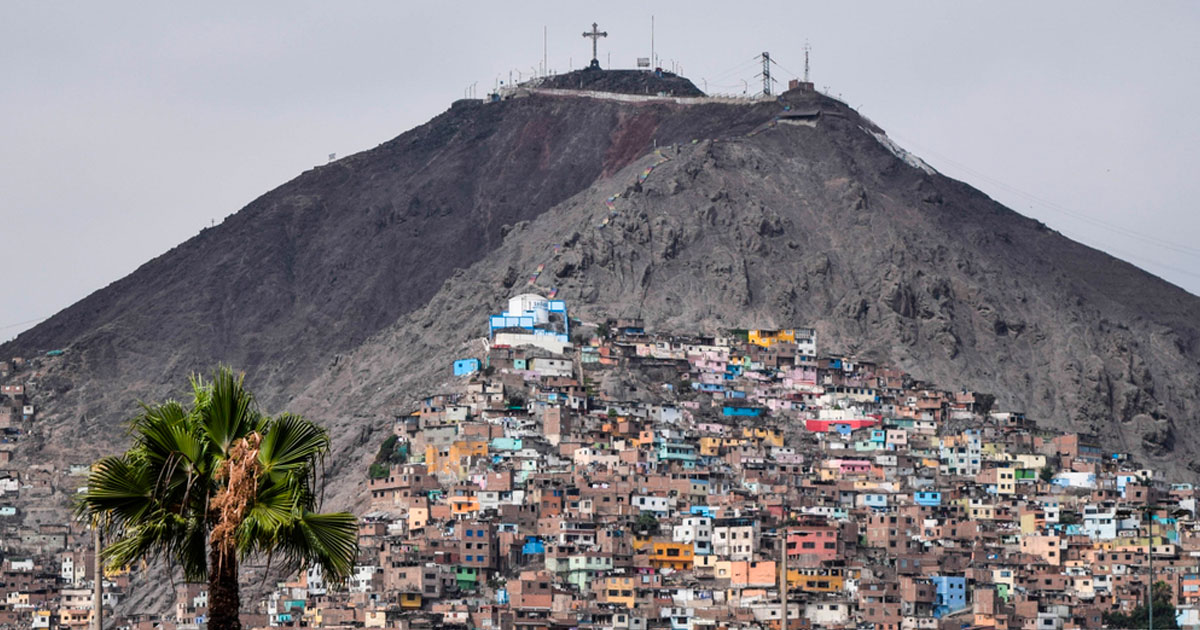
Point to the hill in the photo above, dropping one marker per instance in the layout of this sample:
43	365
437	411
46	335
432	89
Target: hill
346	292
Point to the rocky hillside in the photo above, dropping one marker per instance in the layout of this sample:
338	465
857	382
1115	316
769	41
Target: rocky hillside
345	292
622	82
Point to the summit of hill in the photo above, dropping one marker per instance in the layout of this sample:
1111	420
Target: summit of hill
651	82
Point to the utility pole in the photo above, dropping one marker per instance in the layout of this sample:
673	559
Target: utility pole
783	583
1150	553
653	59
97	580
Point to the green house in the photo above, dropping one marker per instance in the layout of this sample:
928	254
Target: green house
467	577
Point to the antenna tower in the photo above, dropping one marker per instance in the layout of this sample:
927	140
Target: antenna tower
766	73
807	48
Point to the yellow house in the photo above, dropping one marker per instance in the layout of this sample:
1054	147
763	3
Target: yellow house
704	562
410	601
710	446
1006	480
450	459
980	511
993	450
1029	521
768	338
617	590
769	437
1029	460
74	617
816	580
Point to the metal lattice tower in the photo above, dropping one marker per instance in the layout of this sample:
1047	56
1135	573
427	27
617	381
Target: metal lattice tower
766	73
807	49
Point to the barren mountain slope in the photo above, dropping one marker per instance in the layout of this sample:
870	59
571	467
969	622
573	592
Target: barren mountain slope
823	226
318	265
346	292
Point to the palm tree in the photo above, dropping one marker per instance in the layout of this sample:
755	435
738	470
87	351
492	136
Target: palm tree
206	486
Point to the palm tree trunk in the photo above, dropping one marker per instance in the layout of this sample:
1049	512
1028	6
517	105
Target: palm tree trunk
224	601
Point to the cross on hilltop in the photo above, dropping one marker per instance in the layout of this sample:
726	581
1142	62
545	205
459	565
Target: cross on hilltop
596	34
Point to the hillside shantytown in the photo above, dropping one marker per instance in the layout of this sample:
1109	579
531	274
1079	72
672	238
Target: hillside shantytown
603	476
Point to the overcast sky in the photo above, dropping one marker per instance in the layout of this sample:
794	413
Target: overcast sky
127	127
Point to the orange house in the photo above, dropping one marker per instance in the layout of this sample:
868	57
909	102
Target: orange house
816	580
450	460
463	505
673	555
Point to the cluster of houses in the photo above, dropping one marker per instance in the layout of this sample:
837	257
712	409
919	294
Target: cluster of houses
631	480
655	481
46	565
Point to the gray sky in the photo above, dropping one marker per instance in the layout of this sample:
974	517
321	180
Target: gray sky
127	127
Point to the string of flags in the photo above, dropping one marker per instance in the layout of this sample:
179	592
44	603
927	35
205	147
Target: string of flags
611	202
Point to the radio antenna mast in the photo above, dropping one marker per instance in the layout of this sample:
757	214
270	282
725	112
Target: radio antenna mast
807	48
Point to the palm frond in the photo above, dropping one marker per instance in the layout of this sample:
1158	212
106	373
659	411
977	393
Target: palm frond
118	489
292	444
162	535
330	540
228	411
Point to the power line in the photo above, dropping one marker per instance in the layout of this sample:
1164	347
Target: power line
1055	207
26	322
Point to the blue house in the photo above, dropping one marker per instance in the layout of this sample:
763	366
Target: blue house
533	546
681	452
875	501
702	510
506	444
750	412
535	314
951	594
929	499
463	367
